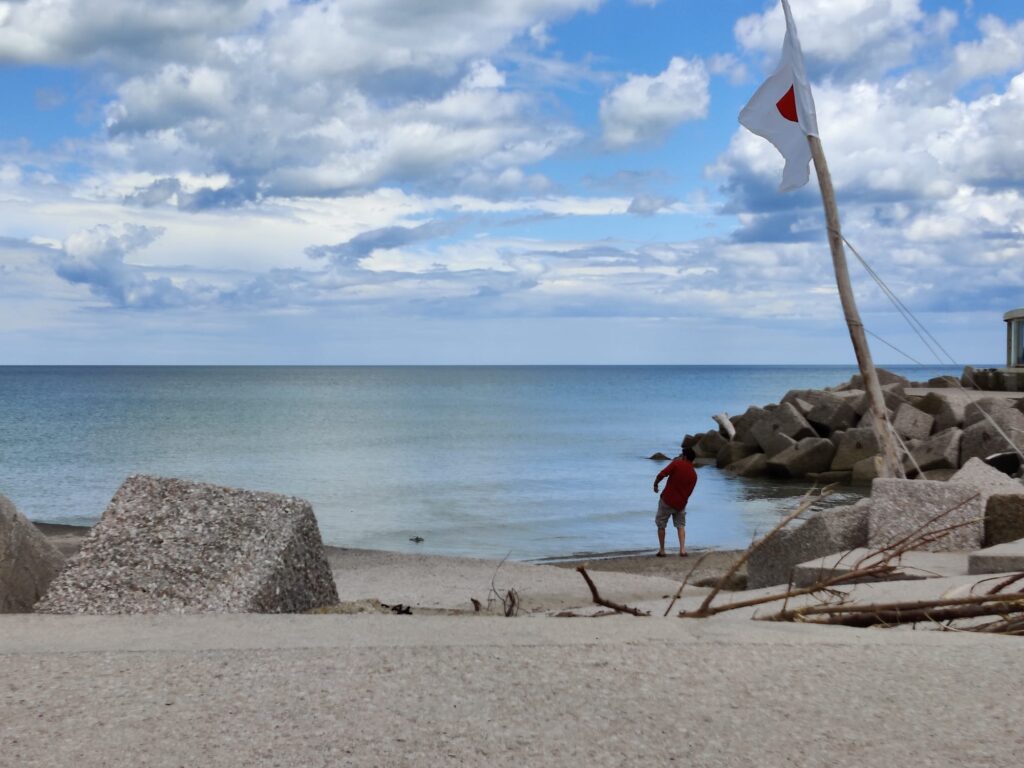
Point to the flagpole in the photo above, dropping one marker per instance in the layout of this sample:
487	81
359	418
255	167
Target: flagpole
891	464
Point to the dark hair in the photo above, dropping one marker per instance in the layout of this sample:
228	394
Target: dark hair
688	454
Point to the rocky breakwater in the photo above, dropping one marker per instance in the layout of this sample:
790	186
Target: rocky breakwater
166	545
826	435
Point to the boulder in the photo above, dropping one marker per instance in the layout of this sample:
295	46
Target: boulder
856	399
983	439
832	415
733	452
967	378
1004	519
659	456
938	474
1020	404
773	443
691	440
912	424
940	451
28	561
866	470
752	466
855	445
743	424
174	546
839	529
901	508
943	382
785	420
812	454
894	397
709	445
975	412
986	480
884	377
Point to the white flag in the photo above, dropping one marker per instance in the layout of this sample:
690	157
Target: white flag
782	110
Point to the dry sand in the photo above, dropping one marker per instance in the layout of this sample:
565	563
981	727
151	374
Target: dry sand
428	690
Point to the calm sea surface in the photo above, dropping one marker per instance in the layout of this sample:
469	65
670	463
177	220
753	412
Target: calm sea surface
488	461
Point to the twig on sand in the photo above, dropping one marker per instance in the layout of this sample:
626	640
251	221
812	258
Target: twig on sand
618	607
679	592
510	602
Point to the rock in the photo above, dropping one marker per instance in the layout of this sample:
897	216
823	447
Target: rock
940	451
752	466
899	508
691	440
986	480
709	445
856	399
941	475
28	561
1004	519
658	457
785	420
744	423
733	452
982	439
839	529
912	424
992	406
943	382
1020	404
174	546
831	416
829	478
894	397
866	470
855	445
884	378
812	454
967	378
1008	462
773	443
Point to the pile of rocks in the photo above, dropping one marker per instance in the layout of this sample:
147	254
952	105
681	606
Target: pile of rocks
826	435
167	545
28	561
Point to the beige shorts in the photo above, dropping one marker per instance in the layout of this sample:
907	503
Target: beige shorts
665	512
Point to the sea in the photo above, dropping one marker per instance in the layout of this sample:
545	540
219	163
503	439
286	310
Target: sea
519	462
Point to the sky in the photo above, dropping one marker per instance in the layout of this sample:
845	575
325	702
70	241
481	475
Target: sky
498	181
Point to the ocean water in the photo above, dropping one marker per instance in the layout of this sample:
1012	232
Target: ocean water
527	462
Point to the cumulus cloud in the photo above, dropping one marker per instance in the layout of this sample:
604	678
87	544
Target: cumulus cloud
1000	50
645	109
96	258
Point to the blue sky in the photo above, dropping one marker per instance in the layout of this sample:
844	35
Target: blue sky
496	181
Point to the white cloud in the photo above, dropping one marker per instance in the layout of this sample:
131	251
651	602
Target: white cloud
1000	50
645	109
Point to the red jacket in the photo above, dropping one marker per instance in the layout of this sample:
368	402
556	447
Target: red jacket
682	478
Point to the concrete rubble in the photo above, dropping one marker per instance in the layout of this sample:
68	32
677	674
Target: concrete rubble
28	561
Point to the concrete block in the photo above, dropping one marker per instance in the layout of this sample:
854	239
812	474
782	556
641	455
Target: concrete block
986	480
983	439
900	508
941	475
940	451
830	477
1004	519
174	546
866	470
752	466
975	412
832	530
709	445
911	566
743	423
28	561
812	454
831	416
1002	558
912	424
771	443
855	445
785	420
884	378
732	452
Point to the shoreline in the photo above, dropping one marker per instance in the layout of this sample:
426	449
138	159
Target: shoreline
68	539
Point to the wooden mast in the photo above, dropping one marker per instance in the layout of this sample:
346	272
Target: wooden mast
891	464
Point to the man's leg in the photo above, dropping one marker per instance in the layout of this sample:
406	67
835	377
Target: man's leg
682	541
661	542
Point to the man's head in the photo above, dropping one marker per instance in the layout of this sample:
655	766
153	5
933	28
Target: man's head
688	454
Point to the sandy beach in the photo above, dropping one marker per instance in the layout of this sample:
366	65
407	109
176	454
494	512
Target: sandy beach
449	686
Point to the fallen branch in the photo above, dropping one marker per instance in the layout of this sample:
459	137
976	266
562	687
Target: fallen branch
679	592
618	607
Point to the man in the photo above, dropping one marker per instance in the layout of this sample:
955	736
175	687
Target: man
682	478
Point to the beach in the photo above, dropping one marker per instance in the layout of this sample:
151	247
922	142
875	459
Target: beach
449	686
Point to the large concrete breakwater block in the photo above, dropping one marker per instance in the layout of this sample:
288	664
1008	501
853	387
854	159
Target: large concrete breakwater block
167	545
28	561
903	508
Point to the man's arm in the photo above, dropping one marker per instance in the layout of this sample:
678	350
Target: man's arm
664	473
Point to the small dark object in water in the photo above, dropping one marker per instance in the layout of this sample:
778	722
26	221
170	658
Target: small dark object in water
417	539
658	457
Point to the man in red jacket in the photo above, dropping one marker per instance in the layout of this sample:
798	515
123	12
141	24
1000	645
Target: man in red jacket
682	478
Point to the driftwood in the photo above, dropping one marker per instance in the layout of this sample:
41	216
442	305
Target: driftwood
618	607
679	592
722	420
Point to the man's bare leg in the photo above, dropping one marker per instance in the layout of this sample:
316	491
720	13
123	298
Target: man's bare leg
682	541
661	542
